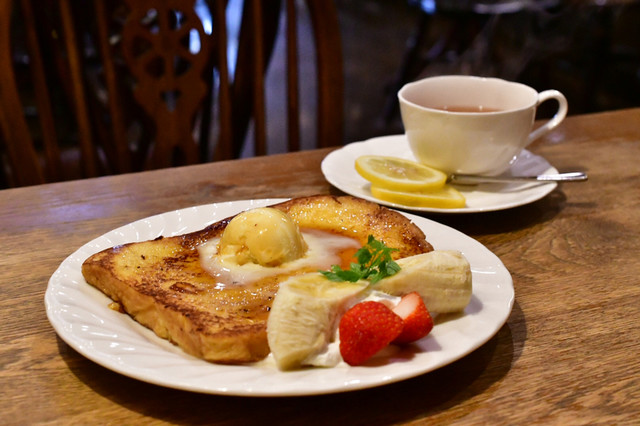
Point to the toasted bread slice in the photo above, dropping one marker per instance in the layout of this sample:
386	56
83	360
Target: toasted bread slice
162	284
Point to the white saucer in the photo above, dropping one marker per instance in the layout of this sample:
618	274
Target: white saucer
338	168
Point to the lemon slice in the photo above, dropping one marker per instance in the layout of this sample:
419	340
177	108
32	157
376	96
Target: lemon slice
446	197
399	174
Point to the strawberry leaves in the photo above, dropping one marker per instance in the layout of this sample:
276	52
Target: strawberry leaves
374	263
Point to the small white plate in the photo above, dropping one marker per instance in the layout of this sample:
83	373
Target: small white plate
338	168
80	315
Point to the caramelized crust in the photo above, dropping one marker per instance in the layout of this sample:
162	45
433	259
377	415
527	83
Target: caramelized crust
163	286
357	218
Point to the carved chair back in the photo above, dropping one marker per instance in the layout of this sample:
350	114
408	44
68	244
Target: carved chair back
105	87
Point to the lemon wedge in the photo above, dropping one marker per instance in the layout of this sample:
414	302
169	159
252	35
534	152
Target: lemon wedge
399	174
446	197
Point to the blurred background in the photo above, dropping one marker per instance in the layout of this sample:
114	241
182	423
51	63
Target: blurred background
587	49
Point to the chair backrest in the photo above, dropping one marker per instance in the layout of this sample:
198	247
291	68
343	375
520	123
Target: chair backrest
105	87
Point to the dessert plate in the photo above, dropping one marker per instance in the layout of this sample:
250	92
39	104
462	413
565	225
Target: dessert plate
80	315
338	168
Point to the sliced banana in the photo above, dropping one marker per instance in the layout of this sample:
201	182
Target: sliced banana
305	313
441	277
304	316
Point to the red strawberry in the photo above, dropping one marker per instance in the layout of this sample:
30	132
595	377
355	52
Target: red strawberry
365	329
417	320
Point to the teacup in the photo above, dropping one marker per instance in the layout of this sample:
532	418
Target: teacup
473	125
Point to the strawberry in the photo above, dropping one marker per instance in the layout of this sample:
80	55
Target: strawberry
366	328
415	316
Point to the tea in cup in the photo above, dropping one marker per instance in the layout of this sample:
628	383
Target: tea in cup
473	125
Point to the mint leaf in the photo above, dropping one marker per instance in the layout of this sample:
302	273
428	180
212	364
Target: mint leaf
338	274
374	263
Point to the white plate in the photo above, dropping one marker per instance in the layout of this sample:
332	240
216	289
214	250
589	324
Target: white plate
338	168
80	316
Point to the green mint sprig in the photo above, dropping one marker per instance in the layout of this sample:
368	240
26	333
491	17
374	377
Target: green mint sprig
374	263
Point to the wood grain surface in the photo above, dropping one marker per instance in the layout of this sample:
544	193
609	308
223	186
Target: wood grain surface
567	355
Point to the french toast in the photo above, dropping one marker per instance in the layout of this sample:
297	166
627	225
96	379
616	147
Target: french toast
162	284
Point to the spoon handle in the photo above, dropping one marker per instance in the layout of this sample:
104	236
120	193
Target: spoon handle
560	177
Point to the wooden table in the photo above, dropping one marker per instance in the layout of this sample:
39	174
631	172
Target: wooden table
568	353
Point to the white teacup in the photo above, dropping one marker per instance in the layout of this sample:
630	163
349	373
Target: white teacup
473	125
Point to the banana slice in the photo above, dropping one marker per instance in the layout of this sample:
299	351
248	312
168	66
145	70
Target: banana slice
304	316
305	313
441	277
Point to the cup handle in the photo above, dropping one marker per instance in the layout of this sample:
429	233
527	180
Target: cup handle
556	119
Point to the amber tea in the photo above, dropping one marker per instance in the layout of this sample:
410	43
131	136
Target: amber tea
468	108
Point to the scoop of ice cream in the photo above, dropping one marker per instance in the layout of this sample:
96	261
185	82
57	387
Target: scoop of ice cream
266	236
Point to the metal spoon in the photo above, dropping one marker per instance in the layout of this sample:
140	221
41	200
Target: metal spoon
560	177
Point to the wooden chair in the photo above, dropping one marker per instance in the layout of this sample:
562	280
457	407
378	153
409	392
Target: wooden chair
105	87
